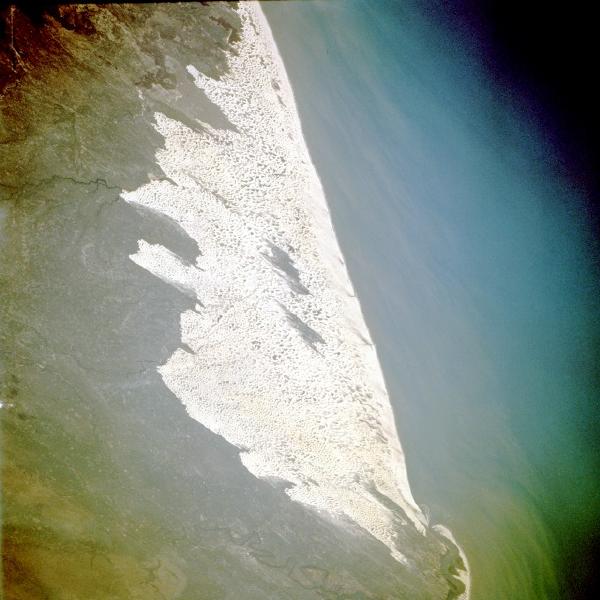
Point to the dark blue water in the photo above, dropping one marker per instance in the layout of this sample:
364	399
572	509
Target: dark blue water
474	263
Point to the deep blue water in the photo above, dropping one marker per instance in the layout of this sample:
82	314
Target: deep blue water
474	264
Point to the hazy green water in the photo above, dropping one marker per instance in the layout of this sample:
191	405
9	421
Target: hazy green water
473	263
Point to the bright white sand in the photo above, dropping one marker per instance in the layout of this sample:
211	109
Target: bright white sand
283	365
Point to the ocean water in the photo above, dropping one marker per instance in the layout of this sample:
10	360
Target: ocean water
474	264
275	356
182	333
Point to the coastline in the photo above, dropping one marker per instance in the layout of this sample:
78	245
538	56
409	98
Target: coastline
333	251
394	438
156	319
465	576
277	336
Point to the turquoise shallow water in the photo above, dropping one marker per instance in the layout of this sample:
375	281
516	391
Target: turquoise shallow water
474	263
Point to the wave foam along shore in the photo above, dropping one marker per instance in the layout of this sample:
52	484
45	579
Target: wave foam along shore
281	364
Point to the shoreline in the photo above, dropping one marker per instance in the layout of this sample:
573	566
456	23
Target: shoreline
331	252
465	576
277	337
